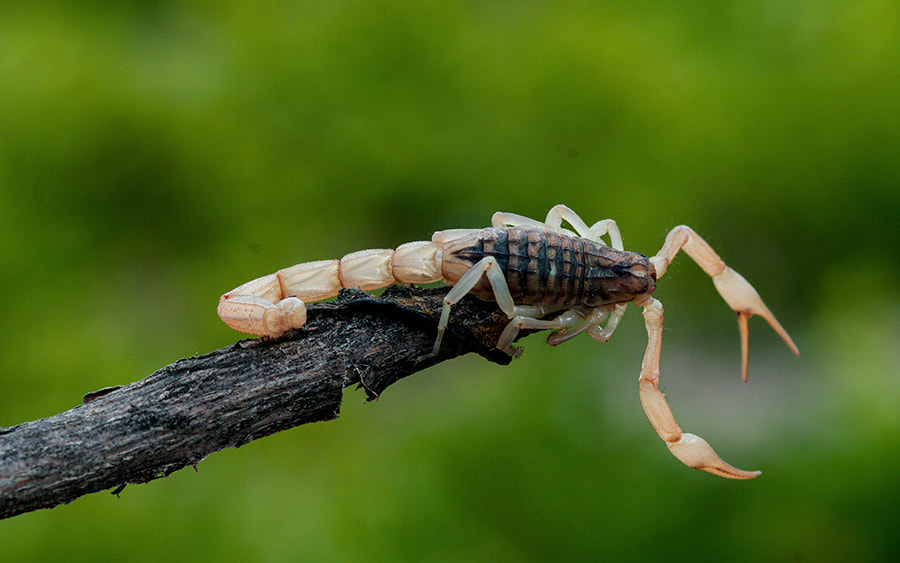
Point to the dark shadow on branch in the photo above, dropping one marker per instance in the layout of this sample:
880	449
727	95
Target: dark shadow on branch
182	413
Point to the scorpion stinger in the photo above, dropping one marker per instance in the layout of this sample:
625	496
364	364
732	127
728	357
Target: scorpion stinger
542	275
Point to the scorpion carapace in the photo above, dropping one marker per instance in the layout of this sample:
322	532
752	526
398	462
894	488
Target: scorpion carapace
543	276
550	269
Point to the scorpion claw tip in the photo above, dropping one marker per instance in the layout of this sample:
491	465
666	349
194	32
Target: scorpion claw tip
776	326
743	298
694	451
743	317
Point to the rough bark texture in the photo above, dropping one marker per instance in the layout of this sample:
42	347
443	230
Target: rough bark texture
180	414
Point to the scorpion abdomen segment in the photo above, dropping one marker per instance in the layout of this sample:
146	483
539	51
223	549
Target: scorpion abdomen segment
550	269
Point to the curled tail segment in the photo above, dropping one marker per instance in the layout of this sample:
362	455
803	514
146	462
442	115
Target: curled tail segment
273	304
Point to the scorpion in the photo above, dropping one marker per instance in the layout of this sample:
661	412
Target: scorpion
542	276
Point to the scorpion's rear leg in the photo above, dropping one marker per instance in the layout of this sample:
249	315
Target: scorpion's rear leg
521	317
692	450
736	291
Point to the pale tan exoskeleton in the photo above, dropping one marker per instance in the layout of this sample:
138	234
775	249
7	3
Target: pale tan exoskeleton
533	271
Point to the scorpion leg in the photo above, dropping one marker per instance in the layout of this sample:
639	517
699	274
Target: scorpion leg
572	328
555	217
603	334
486	266
502	219
734	289
691	450
593	323
520	316
553	223
560	213
528	318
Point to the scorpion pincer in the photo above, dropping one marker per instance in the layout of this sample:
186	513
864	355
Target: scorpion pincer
543	276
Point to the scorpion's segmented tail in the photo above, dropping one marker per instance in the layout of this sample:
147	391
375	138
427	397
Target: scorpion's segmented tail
274	304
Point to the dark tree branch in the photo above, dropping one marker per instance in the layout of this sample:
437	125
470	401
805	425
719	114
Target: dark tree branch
182	413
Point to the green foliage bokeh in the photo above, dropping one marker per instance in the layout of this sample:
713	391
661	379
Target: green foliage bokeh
156	154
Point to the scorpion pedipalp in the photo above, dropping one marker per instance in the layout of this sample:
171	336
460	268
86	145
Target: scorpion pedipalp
740	296
690	449
734	289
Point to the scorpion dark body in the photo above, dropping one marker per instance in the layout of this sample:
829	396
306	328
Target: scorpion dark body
551	269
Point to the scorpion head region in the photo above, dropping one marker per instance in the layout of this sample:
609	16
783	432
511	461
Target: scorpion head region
620	281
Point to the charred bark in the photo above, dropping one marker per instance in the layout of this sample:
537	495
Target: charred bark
182	413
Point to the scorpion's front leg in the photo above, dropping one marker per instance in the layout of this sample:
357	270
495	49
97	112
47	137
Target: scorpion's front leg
692	450
734	289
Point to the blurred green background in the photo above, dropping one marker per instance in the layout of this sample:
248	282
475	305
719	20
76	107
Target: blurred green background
154	155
